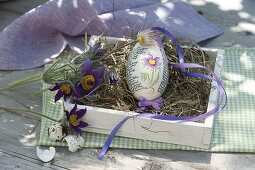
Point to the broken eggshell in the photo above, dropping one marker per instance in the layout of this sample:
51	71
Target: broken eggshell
45	155
74	142
57	132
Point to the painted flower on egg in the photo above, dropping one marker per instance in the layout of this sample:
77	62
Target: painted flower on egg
74	118
152	62
90	80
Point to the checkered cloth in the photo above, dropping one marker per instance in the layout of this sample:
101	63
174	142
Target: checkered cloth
234	127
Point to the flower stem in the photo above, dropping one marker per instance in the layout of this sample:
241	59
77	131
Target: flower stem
28	111
40	91
86	41
22	82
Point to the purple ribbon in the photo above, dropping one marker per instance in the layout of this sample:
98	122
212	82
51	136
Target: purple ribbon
157	104
182	66
177	46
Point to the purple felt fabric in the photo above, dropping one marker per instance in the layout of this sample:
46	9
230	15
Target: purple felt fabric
42	33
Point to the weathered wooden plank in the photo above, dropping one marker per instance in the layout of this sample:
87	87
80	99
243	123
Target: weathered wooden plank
21	150
10	160
21	140
10	76
17	123
22	96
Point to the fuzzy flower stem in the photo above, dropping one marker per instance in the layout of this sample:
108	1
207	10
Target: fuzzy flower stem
22	82
40	91
86	41
28	111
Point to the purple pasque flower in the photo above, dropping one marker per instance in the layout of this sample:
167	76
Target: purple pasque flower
74	118
90	80
151	61
64	89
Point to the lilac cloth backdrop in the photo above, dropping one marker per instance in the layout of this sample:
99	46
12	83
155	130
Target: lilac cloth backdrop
42	33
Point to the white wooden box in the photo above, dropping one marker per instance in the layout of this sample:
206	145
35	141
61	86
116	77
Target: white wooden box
196	134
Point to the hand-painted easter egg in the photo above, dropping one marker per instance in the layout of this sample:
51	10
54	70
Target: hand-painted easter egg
147	71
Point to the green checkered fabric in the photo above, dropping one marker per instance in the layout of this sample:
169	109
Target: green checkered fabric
234	127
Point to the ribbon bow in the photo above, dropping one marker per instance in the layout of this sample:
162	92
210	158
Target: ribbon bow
156	104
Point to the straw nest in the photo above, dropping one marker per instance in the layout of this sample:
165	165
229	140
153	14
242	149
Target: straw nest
184	96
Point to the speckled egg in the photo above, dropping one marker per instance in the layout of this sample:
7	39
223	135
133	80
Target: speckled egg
57	132
74	142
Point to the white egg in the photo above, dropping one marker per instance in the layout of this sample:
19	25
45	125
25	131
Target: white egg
147	71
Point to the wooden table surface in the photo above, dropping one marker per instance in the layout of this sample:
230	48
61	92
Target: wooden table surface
19	132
